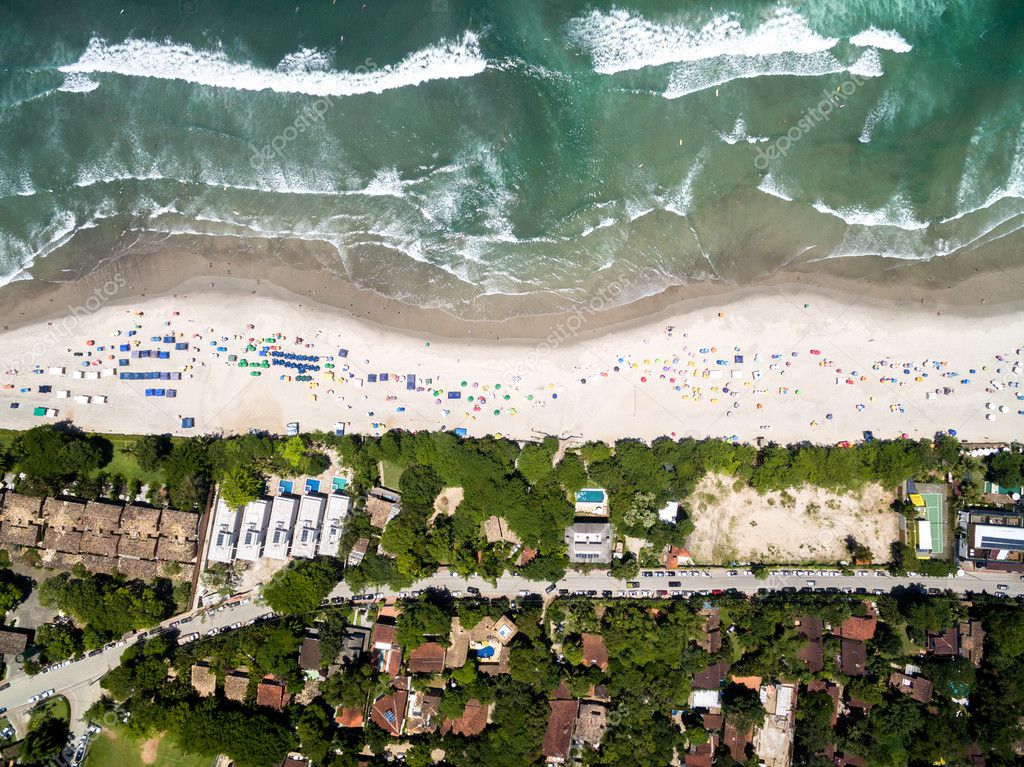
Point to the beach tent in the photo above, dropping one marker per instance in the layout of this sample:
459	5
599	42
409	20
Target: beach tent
188	423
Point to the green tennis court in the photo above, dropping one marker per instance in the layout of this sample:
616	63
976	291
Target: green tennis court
935	513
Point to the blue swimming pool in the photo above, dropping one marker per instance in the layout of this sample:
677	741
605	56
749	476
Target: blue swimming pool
312	485
284	487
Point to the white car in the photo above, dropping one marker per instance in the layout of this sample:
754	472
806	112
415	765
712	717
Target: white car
46	694
34	699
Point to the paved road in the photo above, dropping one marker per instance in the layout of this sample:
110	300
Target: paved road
79	680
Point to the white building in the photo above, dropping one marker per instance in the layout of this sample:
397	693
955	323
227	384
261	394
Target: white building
252	530
334	520
307	526
279	531
224	534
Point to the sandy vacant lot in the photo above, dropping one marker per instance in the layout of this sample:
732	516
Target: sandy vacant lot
734	523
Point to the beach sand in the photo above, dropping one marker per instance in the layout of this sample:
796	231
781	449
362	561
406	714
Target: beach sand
784	363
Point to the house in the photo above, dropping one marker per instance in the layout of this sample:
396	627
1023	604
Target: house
812	653
472	722
972	642
488	640
252	529
591	723
140	527
358	552
712	677
773	740
710	700
859	627
307	526
736	742
224	533
351	716
271	693
992	539
676	556
21	520
236	685
853	656
702	755
12	642
387	655
595	652
382	505
945	644
710	638
917	687
283	510
354	642
204	681
424	712
428	658
388	712
333	524
179	526
557	743
592	502
309	655
589	542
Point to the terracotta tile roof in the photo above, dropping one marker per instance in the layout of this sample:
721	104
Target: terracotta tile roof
182	525
595	652
137	548
96	563
945	644
713	722
423	713
236	684
750	682
103	516
22	509
12	642
917	687
427	659
472	722
204	681
170	550
64	513
68	543
860	628
853	657
736	742
972	641
23	536
271	693
496	529
710	638
99	544
381	505
383	634
141	521
142	569
388	712
351	716
812	653
558	737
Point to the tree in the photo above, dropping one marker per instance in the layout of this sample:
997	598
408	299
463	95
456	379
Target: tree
43	743
150	450
54	456
1005	468
535	461
187	473
742	706
642	513
814	724
241	486
420	620
302	586
58	641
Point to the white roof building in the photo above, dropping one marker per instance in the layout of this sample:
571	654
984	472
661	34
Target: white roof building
252	530
279	530
224	534
334	520
307	526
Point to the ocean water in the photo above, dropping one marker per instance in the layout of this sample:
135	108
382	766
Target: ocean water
529	148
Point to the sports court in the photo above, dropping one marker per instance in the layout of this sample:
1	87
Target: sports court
931	529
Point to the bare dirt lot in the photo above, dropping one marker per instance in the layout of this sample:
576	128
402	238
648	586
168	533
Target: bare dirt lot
811	524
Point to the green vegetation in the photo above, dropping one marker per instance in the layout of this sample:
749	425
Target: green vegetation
302	586
125	751
47	733
106	607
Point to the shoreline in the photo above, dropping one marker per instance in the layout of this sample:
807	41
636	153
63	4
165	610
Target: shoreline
271	270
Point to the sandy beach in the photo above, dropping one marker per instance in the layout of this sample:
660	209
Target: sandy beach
780	363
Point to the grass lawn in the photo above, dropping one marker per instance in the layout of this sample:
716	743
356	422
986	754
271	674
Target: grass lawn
390	473
112	748
56	707
124	464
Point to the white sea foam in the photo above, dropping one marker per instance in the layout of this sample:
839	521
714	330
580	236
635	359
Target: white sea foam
770	185
301	72
739	133
78	83
890	39
884	111
897	213
868	65
619	41
385	183
680	201
692	77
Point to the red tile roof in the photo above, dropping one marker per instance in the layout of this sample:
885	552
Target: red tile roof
271	693
350	716
861	628
595	652
388	712
472	722
427	659
558	737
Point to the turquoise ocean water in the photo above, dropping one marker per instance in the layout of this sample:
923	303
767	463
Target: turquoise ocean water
523	148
